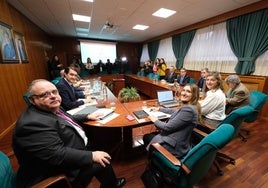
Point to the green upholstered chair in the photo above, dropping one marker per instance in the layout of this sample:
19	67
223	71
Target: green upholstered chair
191	80
150	75
140	73
156	76
26	98
192	168
56	80
236	119
8	177
256	100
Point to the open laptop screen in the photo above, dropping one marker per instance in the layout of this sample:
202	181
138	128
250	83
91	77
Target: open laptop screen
164	96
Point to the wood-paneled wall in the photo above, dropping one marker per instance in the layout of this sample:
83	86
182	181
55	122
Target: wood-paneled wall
15	78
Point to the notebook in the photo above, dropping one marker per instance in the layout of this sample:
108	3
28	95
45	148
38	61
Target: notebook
140	114
166	99
92	109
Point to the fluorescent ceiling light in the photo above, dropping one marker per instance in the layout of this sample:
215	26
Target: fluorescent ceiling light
89	0
140	27
164	13
82	34
81	18
79	29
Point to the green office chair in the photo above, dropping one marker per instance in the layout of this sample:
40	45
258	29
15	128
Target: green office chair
191	80
8	177
236	119
26	98
257	100
194	166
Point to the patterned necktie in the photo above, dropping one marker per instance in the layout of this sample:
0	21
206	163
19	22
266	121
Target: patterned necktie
77	127
69	120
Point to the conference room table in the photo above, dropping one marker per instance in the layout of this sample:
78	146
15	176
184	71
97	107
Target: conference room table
149	86
116	135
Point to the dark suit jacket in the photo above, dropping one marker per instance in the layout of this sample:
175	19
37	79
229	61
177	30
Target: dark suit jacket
175	134
185	80
46	144
68	96
170	77
200	82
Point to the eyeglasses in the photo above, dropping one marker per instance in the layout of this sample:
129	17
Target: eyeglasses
46	94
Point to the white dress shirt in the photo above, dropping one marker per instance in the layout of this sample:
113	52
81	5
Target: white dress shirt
213	106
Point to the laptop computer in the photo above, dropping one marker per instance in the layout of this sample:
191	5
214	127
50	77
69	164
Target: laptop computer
166	99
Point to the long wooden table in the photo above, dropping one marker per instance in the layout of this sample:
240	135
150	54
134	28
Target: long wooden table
117	133
147	85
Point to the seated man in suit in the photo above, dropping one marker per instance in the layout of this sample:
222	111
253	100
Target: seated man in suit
238	94
201	81
171	76
71	96
48	141
183	78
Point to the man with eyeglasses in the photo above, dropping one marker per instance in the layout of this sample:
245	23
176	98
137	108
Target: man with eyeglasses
48	141
183	78
71	97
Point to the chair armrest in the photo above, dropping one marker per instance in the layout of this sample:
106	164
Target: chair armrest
198	131
210	127
170	157
53	180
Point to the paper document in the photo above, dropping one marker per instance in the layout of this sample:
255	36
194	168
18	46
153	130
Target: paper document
92	110
157	114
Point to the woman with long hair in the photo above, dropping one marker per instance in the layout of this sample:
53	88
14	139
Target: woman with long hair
175	133
213	106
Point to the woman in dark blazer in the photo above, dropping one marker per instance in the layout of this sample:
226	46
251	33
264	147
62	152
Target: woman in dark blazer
175	133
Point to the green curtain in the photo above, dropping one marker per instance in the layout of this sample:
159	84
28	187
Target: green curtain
153	49
248	38
180	45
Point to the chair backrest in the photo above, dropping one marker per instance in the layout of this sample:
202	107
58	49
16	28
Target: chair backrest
150	75
156	76
191	80
237	117
7	177
200	158
26	98
256	100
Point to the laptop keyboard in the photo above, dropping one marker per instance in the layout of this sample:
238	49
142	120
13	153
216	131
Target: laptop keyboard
170	104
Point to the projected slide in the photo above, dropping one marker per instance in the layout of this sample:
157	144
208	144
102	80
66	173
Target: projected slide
98	51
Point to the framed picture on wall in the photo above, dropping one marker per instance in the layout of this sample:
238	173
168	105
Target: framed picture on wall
20	47
8	51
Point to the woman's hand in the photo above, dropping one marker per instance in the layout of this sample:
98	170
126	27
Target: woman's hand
152	118
154	109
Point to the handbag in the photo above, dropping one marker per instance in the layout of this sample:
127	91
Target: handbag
151	177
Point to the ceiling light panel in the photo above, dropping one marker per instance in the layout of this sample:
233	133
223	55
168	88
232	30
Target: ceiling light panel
164	13
81	18
140	27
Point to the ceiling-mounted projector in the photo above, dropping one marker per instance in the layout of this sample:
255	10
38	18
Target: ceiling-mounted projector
108	25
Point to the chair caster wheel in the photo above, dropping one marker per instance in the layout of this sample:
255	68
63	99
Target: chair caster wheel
232	162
